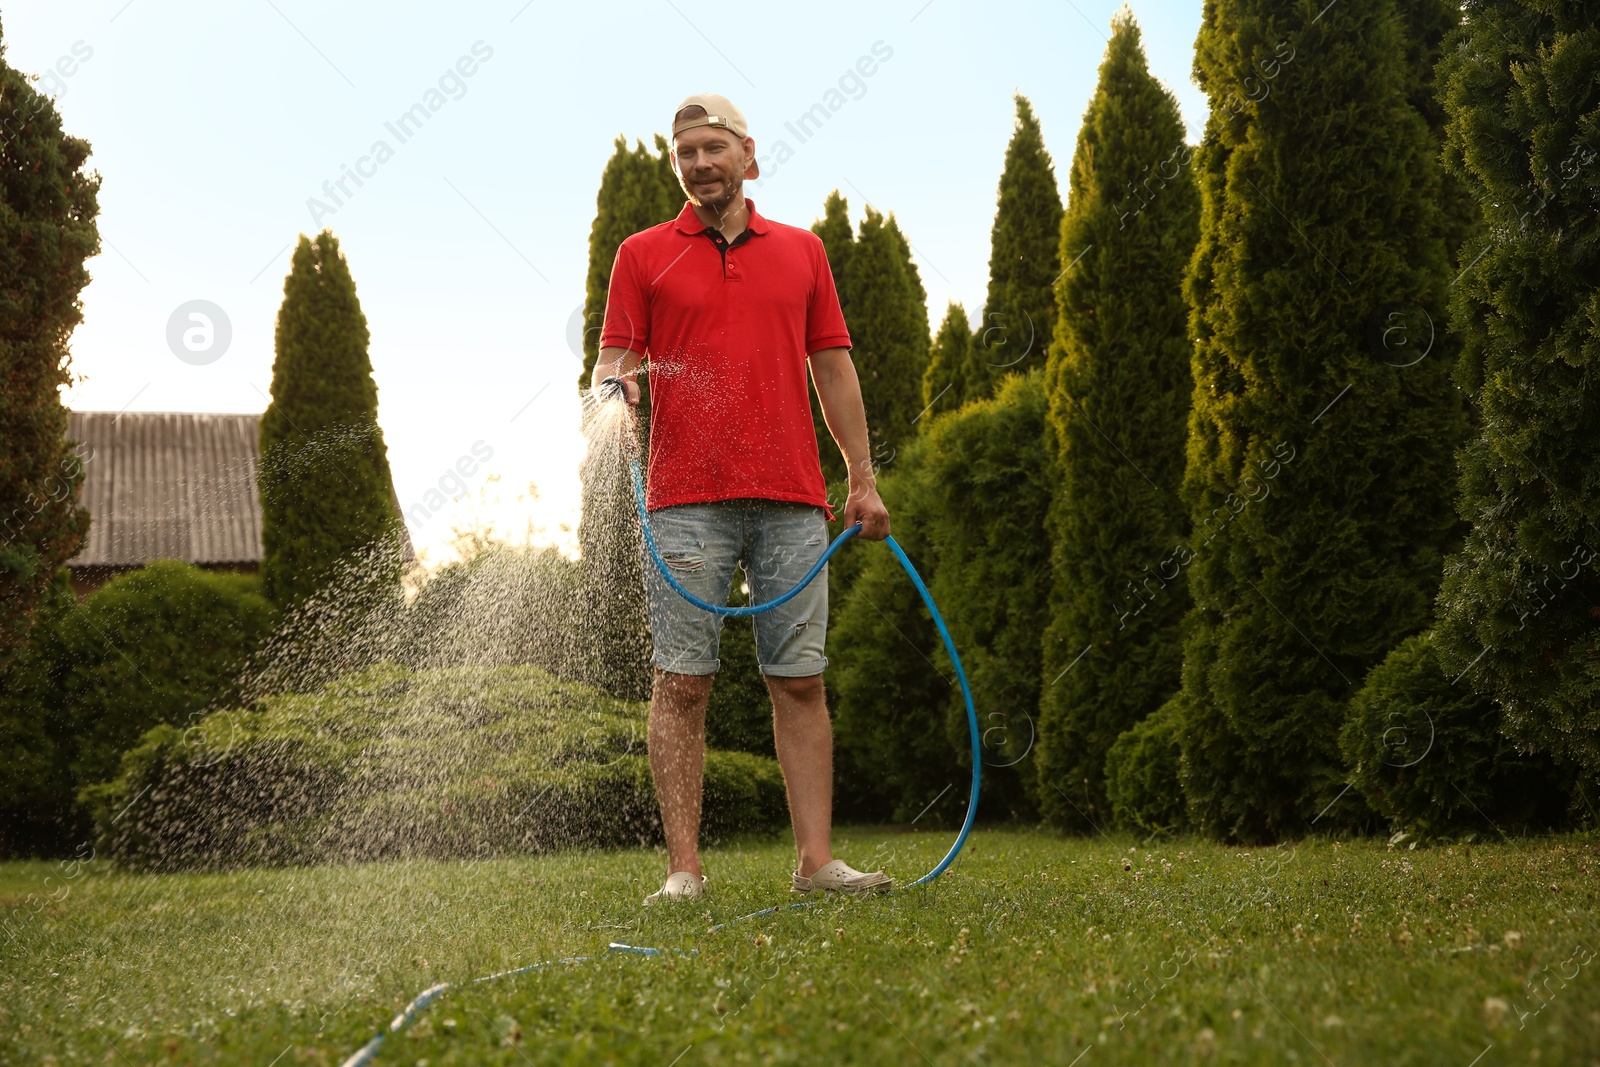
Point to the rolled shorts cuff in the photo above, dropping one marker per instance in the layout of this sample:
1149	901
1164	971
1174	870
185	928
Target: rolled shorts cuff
795	670
694	667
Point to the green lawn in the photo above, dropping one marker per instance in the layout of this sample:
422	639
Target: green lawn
1034	949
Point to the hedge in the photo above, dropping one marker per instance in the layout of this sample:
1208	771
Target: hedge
394	763
1429	753
162	644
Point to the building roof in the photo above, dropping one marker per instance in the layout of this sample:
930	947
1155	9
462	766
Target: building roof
170	485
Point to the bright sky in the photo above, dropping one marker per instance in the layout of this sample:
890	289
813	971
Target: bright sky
214	124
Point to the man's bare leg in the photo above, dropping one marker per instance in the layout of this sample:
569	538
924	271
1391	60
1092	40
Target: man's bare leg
804	740
677	740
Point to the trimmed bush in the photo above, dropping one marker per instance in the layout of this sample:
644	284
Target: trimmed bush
156	645
890	753
1430	756
1142	775
152	646
394	763
964	497
501	606
984	470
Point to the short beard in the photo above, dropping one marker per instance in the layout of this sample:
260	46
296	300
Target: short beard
719	206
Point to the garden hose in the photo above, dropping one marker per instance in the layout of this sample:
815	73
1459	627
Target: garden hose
611	387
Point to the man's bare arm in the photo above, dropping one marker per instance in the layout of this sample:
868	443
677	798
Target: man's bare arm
839	393
617	362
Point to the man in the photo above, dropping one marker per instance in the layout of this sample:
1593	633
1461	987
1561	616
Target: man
730	309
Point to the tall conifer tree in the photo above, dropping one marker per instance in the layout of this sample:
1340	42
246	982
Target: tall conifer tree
944	382
1119	386
1319	467
326	493
838	240
836	233
47	230
886	310
1019	313
1458	728
1518	608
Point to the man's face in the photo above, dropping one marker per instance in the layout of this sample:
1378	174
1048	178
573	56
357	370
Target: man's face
711	164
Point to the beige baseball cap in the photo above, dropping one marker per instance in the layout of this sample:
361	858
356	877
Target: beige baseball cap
719	112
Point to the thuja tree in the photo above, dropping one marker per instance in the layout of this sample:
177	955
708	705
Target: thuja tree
1518	608
897	335
1425	750
886	310
47	230
1118	384
836	233
838	240
944	383
1019	311
1319	468
327	501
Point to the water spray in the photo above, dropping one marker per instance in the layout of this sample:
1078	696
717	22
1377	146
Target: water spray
613	389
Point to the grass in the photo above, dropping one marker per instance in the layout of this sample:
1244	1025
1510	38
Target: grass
1033	949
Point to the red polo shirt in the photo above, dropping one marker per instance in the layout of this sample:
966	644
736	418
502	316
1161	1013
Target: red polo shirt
727	329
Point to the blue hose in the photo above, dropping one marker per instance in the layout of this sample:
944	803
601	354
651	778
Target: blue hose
972	714
368	1052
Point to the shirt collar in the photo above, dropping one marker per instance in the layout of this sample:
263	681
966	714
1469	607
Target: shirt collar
689	222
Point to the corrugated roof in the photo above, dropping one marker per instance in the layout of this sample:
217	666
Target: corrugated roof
170	485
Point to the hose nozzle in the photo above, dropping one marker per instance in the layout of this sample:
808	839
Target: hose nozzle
611	388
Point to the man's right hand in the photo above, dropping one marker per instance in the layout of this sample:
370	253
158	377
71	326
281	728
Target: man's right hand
621	364
630	391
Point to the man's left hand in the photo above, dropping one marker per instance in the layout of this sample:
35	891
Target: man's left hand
866	507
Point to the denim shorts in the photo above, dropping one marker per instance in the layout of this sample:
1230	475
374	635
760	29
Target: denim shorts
776	542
